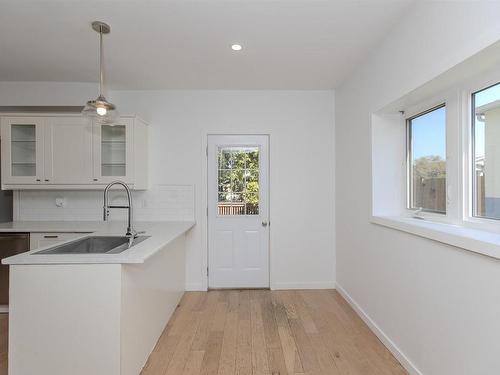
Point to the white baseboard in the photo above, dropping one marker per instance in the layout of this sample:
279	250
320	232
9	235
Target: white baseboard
195	287
389	344
306	285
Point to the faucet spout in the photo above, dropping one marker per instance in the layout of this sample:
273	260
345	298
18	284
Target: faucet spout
131	233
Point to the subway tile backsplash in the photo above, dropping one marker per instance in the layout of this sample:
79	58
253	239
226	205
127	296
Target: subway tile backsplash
159	203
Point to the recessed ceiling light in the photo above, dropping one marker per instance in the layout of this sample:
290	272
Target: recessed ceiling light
236	47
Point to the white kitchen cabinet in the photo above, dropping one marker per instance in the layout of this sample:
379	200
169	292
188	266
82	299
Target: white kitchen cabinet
22	150
120	152
68	152
46	239
113	152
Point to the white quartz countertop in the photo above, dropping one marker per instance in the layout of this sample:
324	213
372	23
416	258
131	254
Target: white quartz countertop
161	234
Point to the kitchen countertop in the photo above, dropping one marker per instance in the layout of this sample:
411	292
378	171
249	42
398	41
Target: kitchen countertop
161	234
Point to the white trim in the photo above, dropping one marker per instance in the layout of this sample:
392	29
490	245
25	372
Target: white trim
305	285
16	205
477	84
195	287
389	344
204	208
474	240
59	114
450	100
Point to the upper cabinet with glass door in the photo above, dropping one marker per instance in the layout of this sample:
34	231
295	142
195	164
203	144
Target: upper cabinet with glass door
120	152
22	150
66	152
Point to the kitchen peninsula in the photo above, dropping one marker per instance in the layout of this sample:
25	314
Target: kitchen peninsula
101	313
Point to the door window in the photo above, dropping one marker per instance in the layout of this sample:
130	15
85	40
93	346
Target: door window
238	181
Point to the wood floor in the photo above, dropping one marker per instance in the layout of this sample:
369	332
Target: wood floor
262	332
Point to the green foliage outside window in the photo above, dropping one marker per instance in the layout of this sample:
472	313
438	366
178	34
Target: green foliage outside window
239	176
429	167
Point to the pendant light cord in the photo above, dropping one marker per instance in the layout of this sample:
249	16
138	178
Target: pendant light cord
101	70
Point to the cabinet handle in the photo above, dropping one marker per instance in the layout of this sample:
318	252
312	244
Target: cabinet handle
38	179
46	180
50	236
95	179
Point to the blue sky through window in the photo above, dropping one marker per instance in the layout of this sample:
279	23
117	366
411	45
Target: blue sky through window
429	130
428	134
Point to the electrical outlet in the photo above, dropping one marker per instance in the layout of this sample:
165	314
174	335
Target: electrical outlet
60	202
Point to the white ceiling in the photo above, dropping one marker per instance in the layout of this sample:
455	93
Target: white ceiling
287	44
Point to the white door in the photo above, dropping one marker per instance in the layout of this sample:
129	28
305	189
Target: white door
238	211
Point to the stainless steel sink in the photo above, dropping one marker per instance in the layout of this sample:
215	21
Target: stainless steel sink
94	245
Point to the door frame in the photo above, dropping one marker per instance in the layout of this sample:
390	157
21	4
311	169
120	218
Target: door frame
204	200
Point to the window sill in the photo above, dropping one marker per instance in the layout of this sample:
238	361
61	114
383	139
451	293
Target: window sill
477	241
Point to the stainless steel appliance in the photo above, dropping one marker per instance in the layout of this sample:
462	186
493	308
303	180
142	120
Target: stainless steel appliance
10	244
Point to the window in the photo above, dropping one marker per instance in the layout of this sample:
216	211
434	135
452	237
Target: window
486	152
427	160
443	159
238	180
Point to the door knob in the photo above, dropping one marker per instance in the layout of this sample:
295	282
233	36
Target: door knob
264	223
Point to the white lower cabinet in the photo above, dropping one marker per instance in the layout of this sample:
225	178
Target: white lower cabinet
46	239
68	152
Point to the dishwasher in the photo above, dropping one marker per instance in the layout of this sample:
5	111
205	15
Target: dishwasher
10	244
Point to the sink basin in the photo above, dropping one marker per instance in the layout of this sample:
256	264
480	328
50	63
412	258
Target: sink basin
94	245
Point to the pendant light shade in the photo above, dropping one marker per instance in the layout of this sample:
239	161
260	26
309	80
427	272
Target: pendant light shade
100	110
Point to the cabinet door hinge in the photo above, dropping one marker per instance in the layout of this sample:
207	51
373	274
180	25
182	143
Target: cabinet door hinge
207	271
206	150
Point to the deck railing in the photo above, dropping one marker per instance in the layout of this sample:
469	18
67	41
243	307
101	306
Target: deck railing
237	208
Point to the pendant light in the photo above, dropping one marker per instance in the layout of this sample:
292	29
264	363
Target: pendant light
100	110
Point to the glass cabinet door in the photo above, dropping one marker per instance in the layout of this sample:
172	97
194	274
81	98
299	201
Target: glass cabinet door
112	152
23	150
22	141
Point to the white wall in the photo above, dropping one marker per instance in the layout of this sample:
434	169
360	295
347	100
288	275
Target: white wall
300	124
439	305
46	93
301	128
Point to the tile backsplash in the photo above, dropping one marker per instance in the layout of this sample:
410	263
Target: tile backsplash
159	203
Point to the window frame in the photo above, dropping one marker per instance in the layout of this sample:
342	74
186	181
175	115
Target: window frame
409	163
449	99
471	87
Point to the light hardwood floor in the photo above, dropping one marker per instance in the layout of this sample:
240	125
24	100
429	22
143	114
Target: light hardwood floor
260	332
